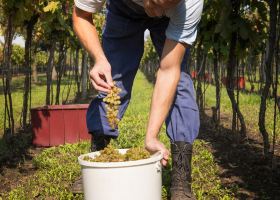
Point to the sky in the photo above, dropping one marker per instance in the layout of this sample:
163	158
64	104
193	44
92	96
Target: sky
18	40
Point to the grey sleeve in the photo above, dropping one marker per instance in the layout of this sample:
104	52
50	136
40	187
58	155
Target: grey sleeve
91	6
184	19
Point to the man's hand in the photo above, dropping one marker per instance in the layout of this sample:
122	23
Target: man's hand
153	145
156	8
152	9
101	77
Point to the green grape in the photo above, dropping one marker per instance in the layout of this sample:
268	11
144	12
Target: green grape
110	154
112	101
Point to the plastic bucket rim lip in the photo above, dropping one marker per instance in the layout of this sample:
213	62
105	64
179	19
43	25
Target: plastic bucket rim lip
153	159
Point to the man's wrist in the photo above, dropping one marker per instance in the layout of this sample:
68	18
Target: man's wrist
99	58
150	137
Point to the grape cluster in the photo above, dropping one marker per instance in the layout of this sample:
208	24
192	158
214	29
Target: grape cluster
110	154
137	153
113	100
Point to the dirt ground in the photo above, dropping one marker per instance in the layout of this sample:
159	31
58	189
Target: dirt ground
17	170
242	164
243	167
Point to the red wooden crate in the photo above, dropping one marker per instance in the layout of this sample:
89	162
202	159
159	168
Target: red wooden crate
59	124
238	81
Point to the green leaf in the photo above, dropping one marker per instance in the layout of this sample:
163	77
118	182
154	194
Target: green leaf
51	7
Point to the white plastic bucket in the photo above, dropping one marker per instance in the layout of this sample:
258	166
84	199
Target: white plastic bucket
131	180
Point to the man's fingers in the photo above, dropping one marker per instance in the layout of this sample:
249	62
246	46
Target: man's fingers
166	155
164	162
149	13
152	9
158	12
98	88
165	158
149	8
100	82
109	79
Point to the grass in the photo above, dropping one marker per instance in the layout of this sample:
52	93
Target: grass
20	142
257	85
38	96
58	167
249	106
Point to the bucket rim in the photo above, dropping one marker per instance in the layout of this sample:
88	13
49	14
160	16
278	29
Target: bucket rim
156	157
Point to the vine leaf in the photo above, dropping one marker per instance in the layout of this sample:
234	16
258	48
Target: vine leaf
51	7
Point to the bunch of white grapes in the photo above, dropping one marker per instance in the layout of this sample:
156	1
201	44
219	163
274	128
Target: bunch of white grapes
113	101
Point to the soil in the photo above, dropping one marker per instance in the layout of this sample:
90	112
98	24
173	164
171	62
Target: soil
243	168
17	170
242	164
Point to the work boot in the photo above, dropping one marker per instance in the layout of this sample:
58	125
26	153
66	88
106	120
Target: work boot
98	142
181	171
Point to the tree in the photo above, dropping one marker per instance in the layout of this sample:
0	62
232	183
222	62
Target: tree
84	78
17	57
29	24
59	69
56	26
268	72
9	9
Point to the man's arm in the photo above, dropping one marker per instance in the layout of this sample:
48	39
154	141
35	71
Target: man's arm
84	28
168	77
155	8
166	4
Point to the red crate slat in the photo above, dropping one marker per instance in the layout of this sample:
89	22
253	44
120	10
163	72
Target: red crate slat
40	126
59	124
72	130
84	135
56	128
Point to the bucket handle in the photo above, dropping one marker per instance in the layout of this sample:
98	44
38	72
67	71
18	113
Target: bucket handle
158	166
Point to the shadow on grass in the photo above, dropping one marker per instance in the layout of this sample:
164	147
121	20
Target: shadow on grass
14	149
243	166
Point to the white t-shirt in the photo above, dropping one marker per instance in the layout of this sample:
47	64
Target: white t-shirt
94	6
184	17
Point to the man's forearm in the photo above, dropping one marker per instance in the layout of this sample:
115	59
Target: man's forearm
163	95
168	77
87	34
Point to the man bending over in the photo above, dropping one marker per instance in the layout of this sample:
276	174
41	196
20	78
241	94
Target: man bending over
173	28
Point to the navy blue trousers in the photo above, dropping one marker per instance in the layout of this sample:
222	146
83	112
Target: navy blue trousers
123	44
